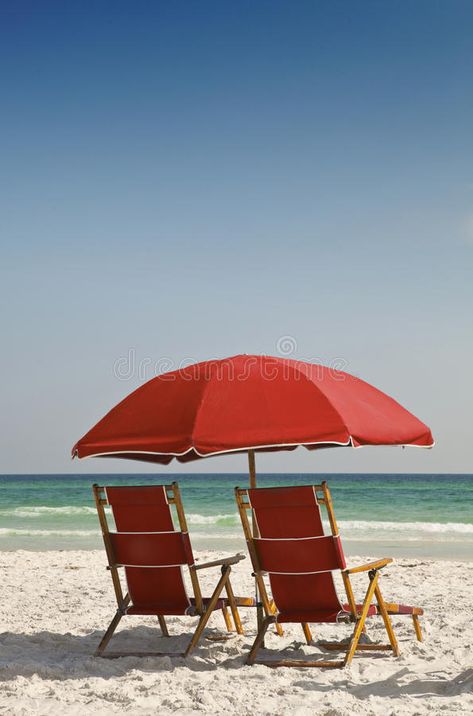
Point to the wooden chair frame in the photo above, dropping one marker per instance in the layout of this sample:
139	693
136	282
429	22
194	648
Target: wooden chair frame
202	609
323	496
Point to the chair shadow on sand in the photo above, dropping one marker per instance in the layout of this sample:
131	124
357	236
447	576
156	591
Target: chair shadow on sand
391	686
59	656
52	655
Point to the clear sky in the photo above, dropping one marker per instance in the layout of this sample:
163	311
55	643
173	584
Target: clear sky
187	180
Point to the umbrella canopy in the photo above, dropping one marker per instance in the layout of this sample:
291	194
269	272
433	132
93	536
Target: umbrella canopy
249	403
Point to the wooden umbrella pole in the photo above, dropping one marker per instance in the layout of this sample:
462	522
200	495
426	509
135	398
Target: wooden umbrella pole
252	470
252	467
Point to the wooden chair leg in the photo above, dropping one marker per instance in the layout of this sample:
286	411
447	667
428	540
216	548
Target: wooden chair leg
267	604
210	607
279	629
386	620
417	627
307	633
109	633
163	625
233	607
360	623
259	639
227	618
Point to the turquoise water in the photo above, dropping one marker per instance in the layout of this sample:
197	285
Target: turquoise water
403	515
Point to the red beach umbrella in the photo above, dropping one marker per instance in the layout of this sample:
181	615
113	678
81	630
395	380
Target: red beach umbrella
249	403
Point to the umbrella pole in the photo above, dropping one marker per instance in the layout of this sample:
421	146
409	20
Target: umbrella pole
252	467
252	471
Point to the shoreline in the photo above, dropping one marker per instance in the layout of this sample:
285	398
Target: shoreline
437	551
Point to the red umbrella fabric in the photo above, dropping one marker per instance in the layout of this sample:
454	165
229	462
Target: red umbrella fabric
249	403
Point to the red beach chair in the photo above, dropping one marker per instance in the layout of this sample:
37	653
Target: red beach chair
153	553
292	549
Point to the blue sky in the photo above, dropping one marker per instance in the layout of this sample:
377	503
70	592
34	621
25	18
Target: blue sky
194	179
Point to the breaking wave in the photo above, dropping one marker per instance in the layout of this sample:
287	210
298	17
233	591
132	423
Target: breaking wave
226	519
13	532
428	527
218	525
39	510
432	528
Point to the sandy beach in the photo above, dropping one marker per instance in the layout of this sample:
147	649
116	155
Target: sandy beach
57	604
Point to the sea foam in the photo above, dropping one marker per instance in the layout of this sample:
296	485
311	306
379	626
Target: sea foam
428	527
40	510
14	532
225	519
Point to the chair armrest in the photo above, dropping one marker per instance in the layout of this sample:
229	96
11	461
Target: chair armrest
224	562
377	564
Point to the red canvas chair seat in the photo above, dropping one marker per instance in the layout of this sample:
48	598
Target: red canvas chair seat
153	555
296	554
299	559
169	610
322	616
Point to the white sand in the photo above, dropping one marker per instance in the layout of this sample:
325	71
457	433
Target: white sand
56	604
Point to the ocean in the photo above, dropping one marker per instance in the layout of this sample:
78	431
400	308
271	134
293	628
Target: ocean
404	515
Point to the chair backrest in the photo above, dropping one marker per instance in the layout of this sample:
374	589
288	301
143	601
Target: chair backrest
293	549
146	543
